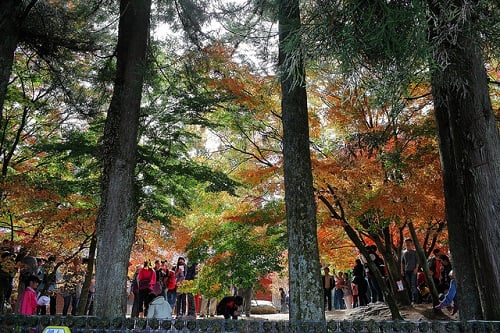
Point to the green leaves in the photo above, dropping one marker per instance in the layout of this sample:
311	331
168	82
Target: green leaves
243	247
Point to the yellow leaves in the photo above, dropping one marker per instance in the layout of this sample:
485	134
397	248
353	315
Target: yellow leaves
209	282
215	288
187	286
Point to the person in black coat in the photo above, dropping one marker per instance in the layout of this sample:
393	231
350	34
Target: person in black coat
228	306
328	283
191	273
359	280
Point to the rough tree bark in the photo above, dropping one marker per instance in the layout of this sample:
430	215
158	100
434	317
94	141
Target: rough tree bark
470	155
117	218
306	299
12	15
10	28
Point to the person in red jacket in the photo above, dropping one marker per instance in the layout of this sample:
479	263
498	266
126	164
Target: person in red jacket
146	280
171	286
29	303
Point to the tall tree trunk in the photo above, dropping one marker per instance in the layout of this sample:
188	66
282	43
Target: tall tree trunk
470	154
117	218
306	294
12	15
10	28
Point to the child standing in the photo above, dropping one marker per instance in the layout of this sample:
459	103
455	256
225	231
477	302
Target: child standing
28	298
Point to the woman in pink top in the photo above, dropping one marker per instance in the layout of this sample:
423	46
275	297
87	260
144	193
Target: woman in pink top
28	299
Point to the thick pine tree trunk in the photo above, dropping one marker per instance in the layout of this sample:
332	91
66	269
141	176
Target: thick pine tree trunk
306	294
117	219
470	153
10	27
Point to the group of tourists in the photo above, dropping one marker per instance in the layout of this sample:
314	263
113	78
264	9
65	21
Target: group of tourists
40	283
346	290
154	289
441	273
444	280
155	293
31	285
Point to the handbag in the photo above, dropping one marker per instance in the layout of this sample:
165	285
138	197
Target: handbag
144	284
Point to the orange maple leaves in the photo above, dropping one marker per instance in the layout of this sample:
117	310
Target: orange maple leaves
378	164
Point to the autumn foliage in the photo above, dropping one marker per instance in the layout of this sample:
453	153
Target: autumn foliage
376	163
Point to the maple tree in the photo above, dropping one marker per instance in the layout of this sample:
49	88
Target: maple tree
237	242
43	219
46	222
364	168
374	152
